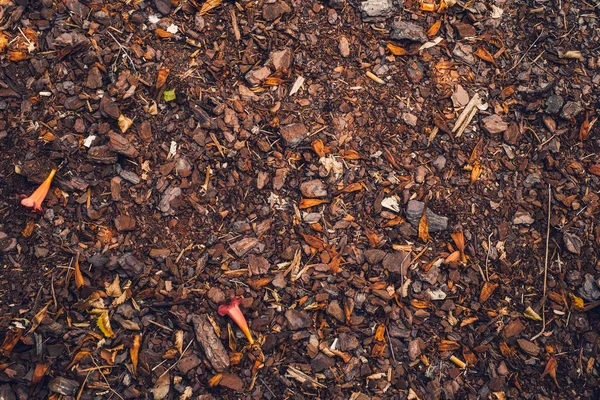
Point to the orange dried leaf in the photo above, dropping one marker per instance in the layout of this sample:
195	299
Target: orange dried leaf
380	333
394	222
551	369
487	290
485	55
308	203
79	281
424	228
421	304
476	172
3	41
258	283
16	56
353	187
350	155
448	345
507	351
103	322
273	81
577	302
435	28
452	258
39	372
314	242
10	341
459	240
396	50
209	5
78	358
215	380
334	264
374	239
163	34
584	130
161	79
134	352
319	147
235	358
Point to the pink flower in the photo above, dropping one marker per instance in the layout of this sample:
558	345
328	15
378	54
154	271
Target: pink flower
233	310
36	199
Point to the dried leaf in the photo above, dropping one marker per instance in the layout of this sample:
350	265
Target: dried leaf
576	302
459	240
374	239
420	304
3	41
259	283
507	351
350	155
314	242
531	314
435	28
28	228
573	54
319	147
353	187
113	289
424	228
476	172
77	358
308	203
124	123
163	34
103	322
468	321
396	50
551	370
38	318
39	372
452	258
169	95
334	264
179	341
161	79
448	345
79	281
209	5
584	130
16	56
215	380
485	55
487	290
11	338
428	7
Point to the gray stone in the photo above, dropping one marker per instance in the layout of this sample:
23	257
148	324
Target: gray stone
435	222
402	30
589	291
554	104
376	8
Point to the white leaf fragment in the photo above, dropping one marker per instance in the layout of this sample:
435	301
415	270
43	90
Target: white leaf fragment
497	12
87	142
172	150
433	43
297	85
391	203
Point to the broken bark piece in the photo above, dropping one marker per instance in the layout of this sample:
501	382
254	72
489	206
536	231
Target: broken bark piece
243	246
297	320
435	222
124	223
120	144
102	154
211	344
293	134
313	188
402	30
272	11
109	108
494	124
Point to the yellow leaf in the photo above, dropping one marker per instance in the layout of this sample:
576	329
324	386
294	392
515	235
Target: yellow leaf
103	323
468	321
531	314
114	289
396	50
3	41
577	302
454	257
209	5
124	123
428	7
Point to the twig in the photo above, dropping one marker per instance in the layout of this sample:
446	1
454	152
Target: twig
179	359
387	331
545	267
526	52
121	47
487	257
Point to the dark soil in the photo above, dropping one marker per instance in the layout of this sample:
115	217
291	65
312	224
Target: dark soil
285	153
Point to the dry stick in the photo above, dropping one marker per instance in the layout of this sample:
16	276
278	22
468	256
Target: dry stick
180	357
526	52
387	331
545	267
487	257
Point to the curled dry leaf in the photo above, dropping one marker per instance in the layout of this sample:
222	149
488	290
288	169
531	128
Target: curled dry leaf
124	123
215	380
161	79
179	341
103	323
531	314
79	281
314	242
487	290
485	55
134	352
476	172
576	302
584	129
551	370
308	203
350	155
448	345
459	240
468	321
353	187
113	289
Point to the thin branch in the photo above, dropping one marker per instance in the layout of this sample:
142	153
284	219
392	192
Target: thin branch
545	266
179	359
